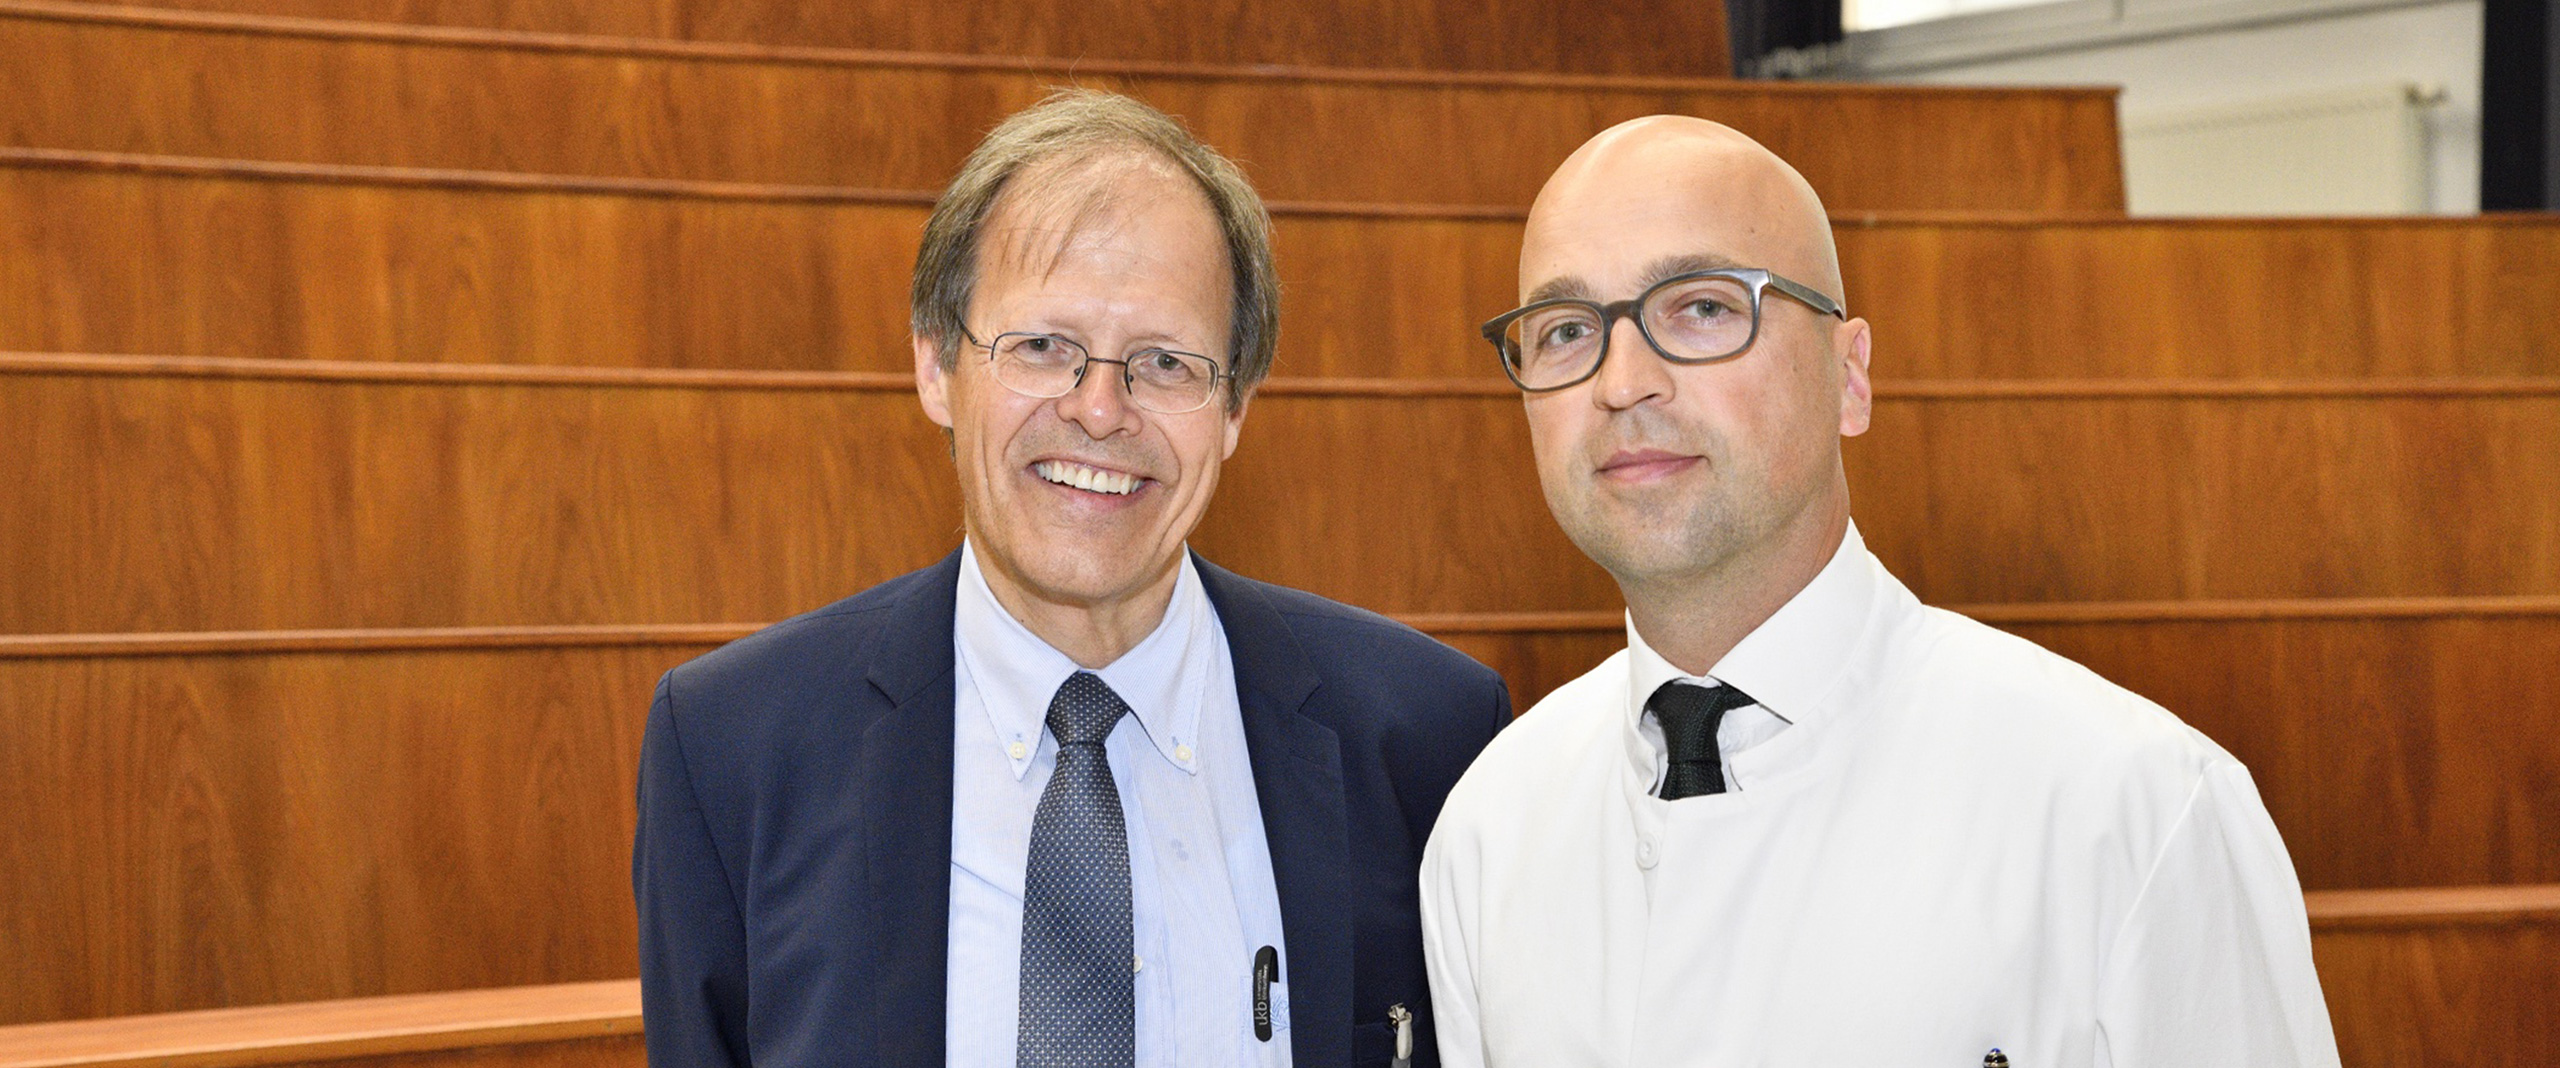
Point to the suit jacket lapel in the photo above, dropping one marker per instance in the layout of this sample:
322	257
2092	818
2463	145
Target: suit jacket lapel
905	783
1297	776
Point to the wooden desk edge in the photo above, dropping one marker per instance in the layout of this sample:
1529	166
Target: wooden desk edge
2434	906
321	1030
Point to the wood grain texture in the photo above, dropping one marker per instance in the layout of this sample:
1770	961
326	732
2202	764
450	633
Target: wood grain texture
2140	499
2206	298
123	86
2433	906
244	828
116	261
224	505
2465	995
1534	663
2400	993
104	262
618	1052
1653	38
339	1031
220	504
198	832
2389	750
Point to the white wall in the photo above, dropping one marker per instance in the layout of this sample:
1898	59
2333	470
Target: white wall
2189	62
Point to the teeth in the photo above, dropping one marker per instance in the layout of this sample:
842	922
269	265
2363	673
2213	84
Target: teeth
1092	479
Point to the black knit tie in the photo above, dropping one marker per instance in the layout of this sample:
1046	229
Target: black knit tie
1689	714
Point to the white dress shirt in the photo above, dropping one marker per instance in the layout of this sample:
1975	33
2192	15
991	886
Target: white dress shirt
1956	842
1202	897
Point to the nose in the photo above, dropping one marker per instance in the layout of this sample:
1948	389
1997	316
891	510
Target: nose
1631	373
1100	404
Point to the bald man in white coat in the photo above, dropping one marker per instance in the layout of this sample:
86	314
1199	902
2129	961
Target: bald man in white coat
1803	819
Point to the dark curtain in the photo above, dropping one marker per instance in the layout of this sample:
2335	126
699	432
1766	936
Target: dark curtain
2519	106
1760	28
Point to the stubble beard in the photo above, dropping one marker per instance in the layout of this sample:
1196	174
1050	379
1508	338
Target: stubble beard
1670	541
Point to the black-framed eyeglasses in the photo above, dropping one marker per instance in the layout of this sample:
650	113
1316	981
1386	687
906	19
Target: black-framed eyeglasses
1160	380
1697	317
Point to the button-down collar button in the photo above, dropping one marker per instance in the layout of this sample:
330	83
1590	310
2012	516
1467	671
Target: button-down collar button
1017	750
1182	753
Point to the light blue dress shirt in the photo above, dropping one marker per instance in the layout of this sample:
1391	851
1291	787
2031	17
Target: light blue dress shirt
1201	892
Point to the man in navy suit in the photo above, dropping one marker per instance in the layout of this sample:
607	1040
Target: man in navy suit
1072	796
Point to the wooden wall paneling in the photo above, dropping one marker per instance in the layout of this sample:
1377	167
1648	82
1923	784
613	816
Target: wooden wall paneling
221	504
1655	38
109	260
868	120
194	832
2391	751
621	1052
1534	662
2204	298
228	828
217	504
2475	989
1997	498
2465	994
206	504
104	262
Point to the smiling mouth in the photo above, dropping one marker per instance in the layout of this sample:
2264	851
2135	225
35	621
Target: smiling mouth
1088	478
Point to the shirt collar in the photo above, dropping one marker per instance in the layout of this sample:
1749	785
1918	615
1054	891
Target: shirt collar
1016	673
1792	658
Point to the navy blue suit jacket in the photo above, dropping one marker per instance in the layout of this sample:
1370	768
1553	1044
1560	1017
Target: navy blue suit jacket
793	862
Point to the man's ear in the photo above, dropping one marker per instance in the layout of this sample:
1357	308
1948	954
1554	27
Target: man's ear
1235	426
933	385
1857	395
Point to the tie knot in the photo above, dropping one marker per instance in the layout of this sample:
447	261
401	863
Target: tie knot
1689	714
1084	710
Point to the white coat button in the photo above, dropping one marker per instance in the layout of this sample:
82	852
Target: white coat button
1646	853
1017	750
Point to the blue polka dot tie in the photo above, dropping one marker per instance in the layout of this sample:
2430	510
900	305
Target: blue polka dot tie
1079	963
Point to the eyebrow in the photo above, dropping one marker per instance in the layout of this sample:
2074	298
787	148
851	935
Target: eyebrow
1689	263
1667	267
1567	286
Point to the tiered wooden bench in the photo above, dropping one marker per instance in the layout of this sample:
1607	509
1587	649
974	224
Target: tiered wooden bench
167	83
2404	969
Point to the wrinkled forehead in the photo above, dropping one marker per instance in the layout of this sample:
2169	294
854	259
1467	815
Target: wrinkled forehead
1617	216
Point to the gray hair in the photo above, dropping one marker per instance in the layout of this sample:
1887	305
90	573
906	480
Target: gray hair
1081	125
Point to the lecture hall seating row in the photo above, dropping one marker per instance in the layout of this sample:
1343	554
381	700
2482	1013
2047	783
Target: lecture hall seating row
2403	969
256	817
1425	40
153	82
162	256
227	496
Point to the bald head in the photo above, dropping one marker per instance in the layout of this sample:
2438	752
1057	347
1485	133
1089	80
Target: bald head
1712	488
1672	177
